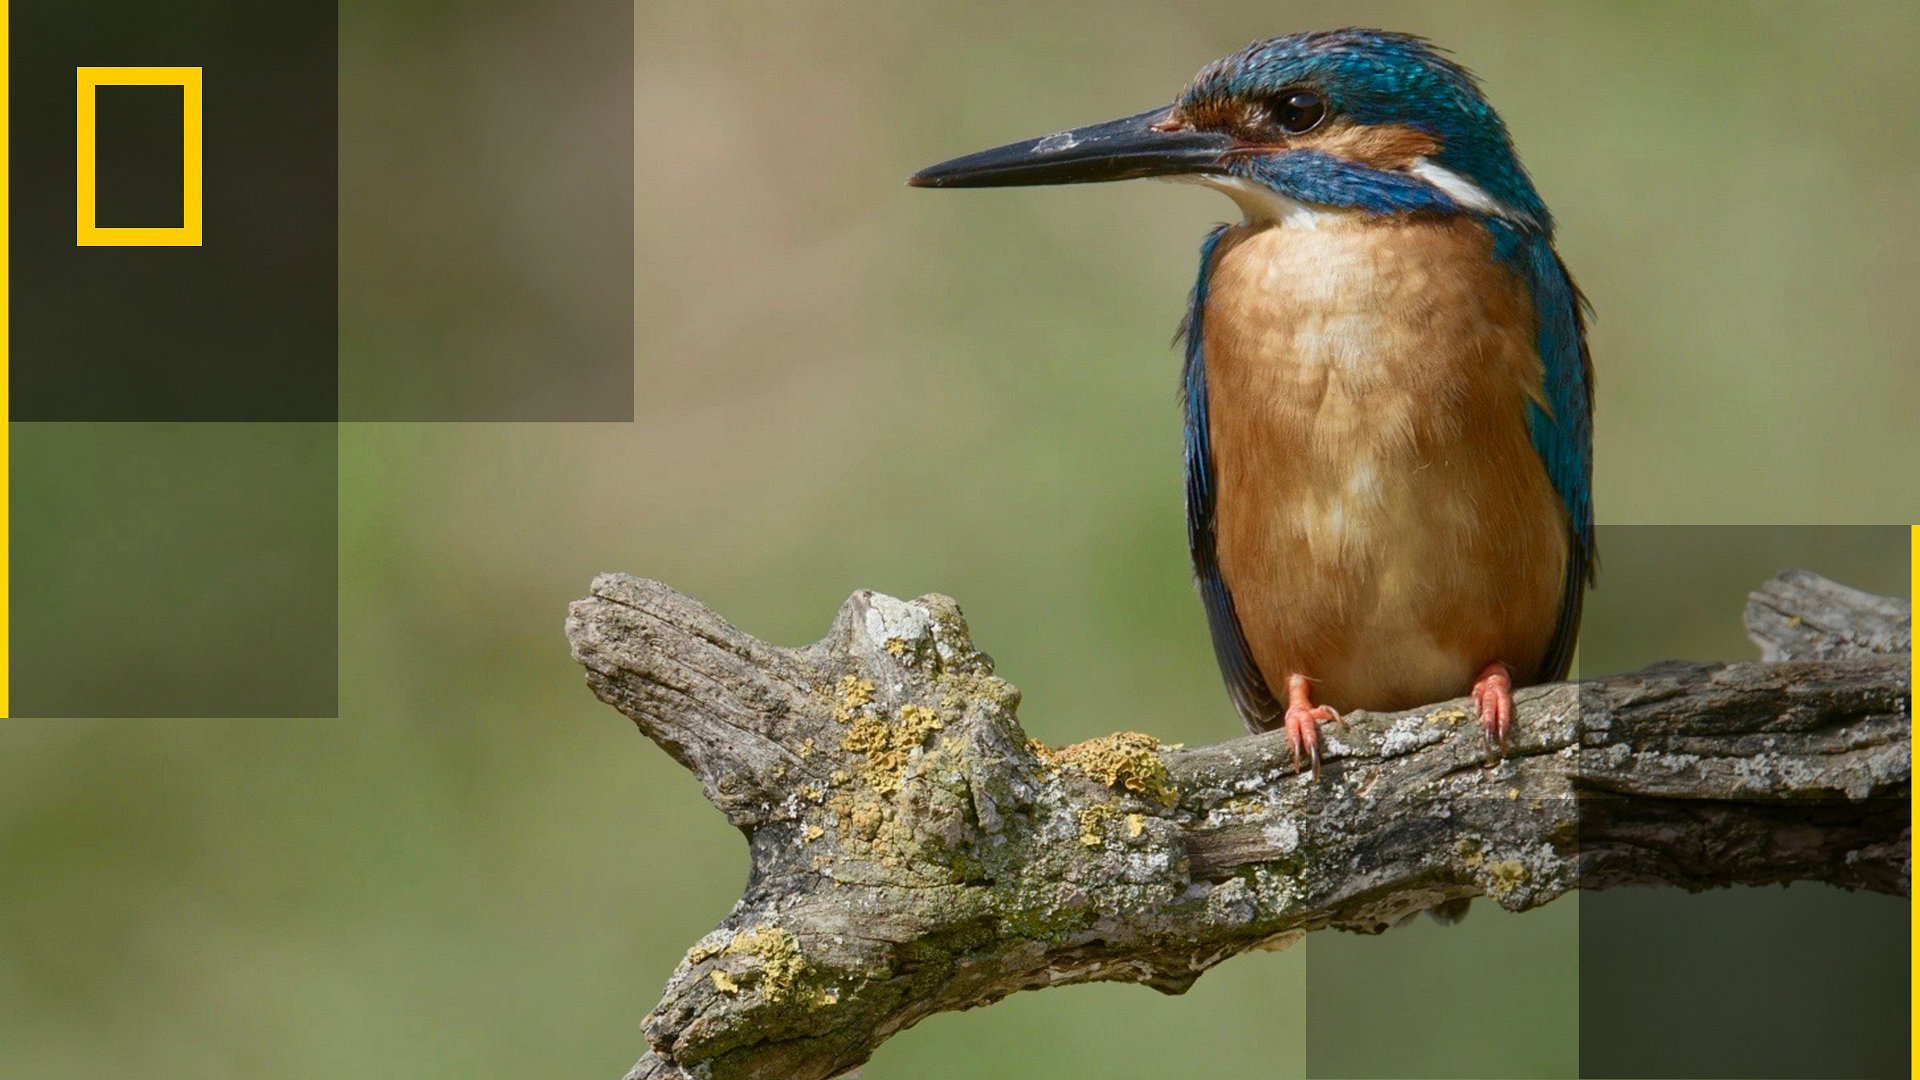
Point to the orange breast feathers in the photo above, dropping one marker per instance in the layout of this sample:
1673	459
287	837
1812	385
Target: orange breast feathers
1382	520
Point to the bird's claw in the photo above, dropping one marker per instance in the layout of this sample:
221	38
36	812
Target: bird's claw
1493	702
1303	733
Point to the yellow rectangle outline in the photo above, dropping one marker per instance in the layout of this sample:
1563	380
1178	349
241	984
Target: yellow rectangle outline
188	232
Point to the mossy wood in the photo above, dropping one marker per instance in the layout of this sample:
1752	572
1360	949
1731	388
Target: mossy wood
914	852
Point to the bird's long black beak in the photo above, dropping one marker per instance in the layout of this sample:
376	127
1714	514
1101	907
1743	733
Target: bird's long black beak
1135	146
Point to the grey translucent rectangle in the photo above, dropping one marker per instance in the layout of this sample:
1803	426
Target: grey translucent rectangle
486	211
1493	996
1802	981
165	570
238	325
1637	982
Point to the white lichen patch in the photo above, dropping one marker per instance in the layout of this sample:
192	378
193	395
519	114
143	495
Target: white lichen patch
1765	771
1232	903
1284	835
949	650
1334	745
1615	756
1146	867
1409	733
1276	891
889	619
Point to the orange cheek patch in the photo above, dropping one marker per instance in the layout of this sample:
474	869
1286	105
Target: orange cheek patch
1386	146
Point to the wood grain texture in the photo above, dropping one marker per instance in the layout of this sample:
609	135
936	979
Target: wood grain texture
1800	615
913	852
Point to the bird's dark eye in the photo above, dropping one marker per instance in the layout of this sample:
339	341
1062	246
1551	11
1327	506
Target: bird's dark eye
1298	111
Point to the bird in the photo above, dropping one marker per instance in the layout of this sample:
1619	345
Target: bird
1387	391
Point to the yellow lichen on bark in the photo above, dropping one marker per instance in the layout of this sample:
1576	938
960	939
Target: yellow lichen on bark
888	743
855	693
1128	760
1093	824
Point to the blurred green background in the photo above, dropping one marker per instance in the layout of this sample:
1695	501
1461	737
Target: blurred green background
479	870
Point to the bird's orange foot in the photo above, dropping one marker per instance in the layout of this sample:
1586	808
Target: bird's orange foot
1493	700
1303	722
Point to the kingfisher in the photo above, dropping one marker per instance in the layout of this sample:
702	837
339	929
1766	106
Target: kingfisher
1387	389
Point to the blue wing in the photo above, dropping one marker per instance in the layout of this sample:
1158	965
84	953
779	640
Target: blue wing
1563	430
1245	684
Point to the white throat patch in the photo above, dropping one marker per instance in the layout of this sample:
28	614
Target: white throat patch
1261	205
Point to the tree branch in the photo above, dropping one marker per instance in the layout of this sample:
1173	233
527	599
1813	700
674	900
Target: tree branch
913	852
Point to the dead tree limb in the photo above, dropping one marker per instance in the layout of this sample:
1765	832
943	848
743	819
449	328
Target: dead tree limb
913	852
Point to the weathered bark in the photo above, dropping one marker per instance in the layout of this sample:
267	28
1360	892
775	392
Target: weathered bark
1803	616
913	852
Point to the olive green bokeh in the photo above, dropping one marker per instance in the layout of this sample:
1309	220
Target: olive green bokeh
479	870
173	569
